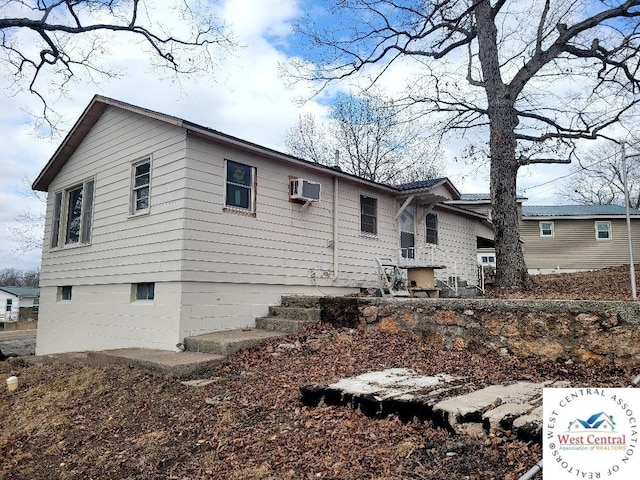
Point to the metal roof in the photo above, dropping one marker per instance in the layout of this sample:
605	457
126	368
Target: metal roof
22	291
576	211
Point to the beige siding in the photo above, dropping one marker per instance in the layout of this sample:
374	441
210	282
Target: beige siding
282	244
123	248
457	244
574	246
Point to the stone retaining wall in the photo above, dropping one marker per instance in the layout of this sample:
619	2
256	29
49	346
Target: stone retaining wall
581	331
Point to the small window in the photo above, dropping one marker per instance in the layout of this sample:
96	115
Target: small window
240	191
368	215
72	215
64	293
546	229
140	186
9	305
36	305
145	291
432	228
603	230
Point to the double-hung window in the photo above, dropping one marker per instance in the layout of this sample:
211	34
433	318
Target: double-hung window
72	215
546	229
140	186
368	215
240	186
603	231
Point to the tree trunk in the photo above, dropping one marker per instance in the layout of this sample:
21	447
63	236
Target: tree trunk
511	270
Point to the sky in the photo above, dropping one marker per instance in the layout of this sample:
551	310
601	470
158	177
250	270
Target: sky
249	99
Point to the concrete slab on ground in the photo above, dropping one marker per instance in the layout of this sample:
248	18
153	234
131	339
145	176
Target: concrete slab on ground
229	341
162	361
461	405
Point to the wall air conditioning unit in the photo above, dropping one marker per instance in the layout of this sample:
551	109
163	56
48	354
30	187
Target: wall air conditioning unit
305	190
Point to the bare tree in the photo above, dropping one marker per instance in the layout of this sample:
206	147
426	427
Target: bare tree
62	39
597	179
11	277
535	75
371	137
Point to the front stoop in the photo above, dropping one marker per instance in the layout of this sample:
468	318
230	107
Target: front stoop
157	361
229	341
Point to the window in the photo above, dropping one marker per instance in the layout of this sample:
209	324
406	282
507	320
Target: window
488	259
140	186
546	229
368	215
72	215
432	228
64	293
145	291
603	230
36	305
240	192
9	305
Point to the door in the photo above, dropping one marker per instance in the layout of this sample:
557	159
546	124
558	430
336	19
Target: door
407	232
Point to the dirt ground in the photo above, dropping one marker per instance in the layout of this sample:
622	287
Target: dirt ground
75	422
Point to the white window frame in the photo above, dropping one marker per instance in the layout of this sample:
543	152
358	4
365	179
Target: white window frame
374	216
609	230
553	229
60	220
252	189
133	207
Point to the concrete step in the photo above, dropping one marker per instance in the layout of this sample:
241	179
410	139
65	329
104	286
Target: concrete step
229	341
157	361
280	324
300	301
296	313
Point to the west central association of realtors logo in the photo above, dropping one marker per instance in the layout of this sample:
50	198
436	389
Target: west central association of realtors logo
591	433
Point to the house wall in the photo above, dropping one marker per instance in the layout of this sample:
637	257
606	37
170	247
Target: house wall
15	306
236	265
124	249
456	244
103	316
574	246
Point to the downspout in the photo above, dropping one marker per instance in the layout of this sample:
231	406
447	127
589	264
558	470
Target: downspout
335	230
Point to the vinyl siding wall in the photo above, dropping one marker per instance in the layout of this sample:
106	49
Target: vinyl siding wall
574	246
456	241
281	244
236	265
124	249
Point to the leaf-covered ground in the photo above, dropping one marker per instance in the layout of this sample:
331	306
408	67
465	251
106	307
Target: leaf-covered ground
606	284
75	422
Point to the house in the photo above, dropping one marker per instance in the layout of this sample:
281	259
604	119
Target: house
570	238
19	303
158	229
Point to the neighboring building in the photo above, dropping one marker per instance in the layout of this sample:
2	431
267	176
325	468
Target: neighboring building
158	229
569	238
19	303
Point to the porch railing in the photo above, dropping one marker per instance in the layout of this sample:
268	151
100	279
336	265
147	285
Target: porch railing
451	265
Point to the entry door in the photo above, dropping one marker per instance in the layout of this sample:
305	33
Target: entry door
407	232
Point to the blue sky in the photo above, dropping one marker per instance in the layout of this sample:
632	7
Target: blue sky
250	100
